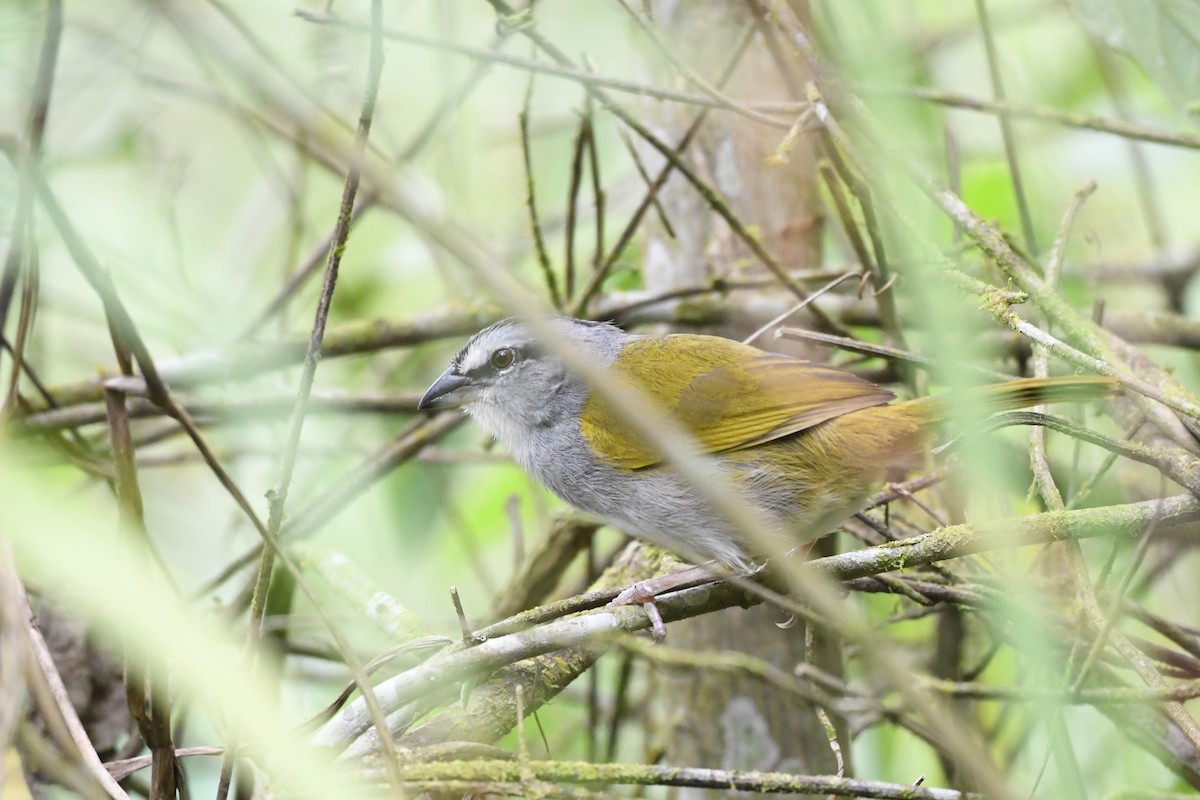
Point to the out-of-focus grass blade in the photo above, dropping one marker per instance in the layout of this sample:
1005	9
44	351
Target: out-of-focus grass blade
67	544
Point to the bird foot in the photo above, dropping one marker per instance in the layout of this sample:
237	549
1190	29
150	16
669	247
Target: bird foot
644	593
640	594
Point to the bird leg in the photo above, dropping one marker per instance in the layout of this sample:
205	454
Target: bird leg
644	593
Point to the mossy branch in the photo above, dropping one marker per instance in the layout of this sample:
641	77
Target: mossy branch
586	629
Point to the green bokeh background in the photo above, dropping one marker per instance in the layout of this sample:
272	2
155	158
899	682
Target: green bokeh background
170	143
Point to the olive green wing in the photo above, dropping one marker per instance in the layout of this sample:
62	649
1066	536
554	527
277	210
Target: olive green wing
728	395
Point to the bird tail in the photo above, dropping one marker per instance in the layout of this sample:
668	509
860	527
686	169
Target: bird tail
1011	395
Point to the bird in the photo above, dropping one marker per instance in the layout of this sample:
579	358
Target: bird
804	443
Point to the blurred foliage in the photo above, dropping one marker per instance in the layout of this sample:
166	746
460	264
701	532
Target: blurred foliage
200	152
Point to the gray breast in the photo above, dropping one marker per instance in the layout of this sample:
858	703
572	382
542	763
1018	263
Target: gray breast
655	504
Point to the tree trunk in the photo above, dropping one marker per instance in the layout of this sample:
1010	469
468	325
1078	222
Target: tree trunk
713	719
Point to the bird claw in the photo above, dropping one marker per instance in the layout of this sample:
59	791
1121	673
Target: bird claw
643	594
657	628
639	594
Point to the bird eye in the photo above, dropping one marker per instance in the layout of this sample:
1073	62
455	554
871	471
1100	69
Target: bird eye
503	358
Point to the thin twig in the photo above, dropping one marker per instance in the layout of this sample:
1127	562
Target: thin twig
535	224
651	196
524	778
511	640
1092	122
22	260
43	663
710	195
565	70
1006	127
277	496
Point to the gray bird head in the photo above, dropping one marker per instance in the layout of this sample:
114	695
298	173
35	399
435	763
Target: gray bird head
511	384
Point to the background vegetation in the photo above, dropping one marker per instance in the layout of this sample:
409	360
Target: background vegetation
972	189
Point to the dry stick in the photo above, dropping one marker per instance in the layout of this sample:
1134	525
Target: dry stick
1179	664
526	778
620	707
646	179
77	449
341	494
1148	327
464	627
512	640
711	197
597	187
771	323
1096	354
881	351
879	265
22	233
1095	696
128	340
778	46
632	225
653	433
1189	690
1006	126
368	200
25	318
1126	130
694	78
625	304
38	756
1054	307
787	144
125	767
1060	742
318	719
651	196
799	683
213	411
1183	470
573	185
1168	270
809	683
1186	637
20	249
251	360
148	700
1041	367
28	692
846	216
267	55
564	70
47	674
277	496
14	654
832	732
1105	633
535	224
